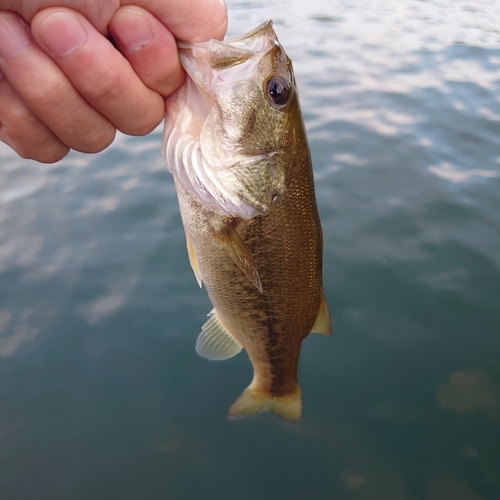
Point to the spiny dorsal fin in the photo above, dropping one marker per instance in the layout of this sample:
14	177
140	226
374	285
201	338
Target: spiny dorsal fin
287	407
240	253
192	260
214	341
323	324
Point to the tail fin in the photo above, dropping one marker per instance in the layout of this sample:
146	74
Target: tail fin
288	407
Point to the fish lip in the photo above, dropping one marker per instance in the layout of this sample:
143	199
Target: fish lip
222	54
268	23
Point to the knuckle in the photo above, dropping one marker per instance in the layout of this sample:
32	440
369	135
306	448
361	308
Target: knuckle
18	119
97	141
43	150
166	84
144	125
109	87
52	155
84	129
47	96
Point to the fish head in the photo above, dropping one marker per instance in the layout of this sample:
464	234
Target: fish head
240	100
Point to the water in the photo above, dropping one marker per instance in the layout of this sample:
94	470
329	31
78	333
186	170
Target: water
101	392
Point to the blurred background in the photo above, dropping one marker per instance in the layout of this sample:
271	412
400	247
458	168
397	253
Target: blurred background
101	392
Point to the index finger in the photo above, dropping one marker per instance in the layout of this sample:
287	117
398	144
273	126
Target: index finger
188	20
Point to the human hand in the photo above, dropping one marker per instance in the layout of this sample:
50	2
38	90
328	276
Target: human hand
63	85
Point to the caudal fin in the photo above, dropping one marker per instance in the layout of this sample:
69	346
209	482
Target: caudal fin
288	407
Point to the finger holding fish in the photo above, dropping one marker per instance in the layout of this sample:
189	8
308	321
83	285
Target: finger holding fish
149	47
190	20
109	80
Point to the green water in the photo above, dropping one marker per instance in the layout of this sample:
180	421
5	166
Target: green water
102	395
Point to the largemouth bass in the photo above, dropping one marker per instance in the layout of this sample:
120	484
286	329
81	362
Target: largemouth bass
235	143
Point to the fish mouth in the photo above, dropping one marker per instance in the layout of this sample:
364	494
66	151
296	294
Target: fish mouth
203	60
237	49
265	25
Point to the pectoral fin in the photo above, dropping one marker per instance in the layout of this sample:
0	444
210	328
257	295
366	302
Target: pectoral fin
323	325
192	260
214	341
240	253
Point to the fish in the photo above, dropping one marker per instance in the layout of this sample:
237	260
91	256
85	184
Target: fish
235	142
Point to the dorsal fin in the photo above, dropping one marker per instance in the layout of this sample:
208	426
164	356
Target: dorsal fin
239	252
192	260
323	324
214	341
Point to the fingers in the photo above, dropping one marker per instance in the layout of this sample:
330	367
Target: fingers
149	47
98	71
188	20
66	86
98	12
46	93
24	132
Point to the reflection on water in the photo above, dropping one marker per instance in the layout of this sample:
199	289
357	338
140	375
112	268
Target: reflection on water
470	390
101	392
450	487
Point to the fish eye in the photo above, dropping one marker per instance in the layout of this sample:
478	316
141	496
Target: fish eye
278	91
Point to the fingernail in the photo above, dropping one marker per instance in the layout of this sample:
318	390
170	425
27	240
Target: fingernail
131	28
62	33
14	37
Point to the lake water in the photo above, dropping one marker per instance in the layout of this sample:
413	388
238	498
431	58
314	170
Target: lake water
102	395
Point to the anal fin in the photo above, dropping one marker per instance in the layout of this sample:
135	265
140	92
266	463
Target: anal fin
239	252
192	260
214	341
323	323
